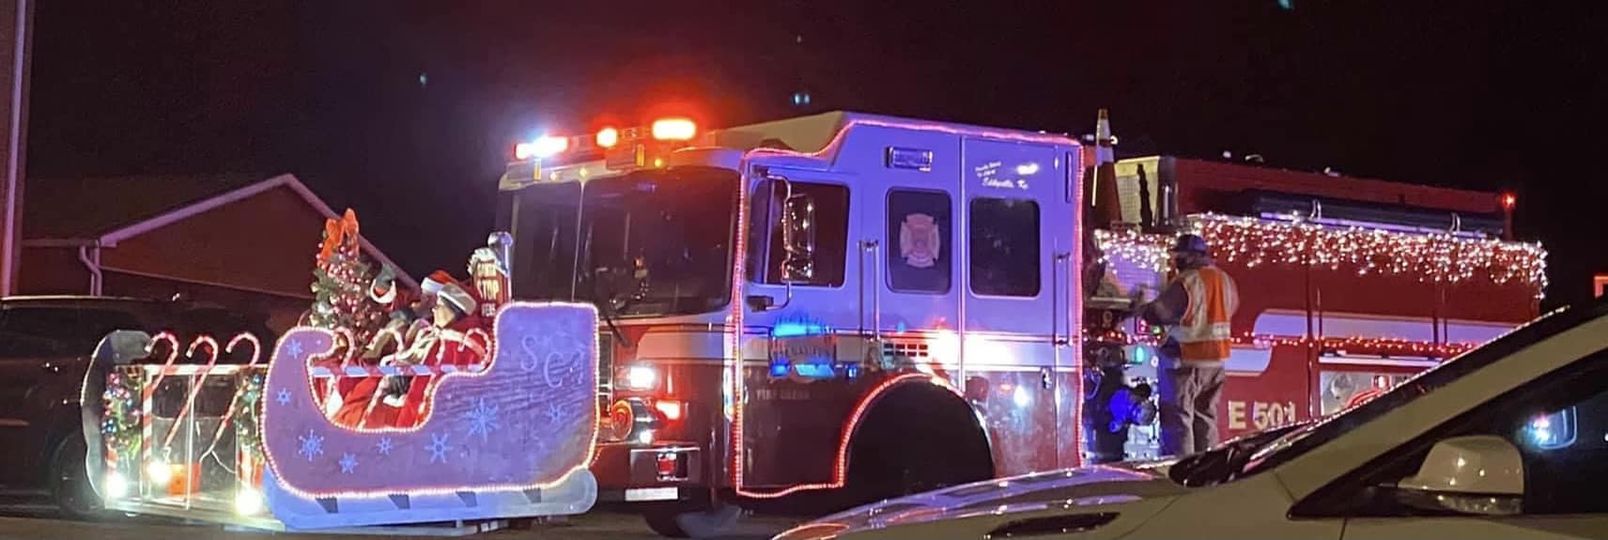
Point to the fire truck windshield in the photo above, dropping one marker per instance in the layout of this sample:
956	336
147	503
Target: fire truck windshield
649	243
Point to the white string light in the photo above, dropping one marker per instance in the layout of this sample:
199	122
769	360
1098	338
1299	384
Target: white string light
1253	242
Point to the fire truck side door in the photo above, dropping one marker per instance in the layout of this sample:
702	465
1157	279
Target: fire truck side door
1016	219
796	406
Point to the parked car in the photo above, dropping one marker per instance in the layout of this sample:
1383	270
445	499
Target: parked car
1508	441
45	346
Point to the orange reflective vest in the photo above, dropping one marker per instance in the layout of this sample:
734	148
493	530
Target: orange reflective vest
1203	334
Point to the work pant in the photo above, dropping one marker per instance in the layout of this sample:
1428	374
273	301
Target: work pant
1188	396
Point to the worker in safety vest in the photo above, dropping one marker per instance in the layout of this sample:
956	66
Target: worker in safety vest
1195	308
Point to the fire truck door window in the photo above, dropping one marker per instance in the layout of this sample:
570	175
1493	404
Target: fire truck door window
1004	247
919	242
831	232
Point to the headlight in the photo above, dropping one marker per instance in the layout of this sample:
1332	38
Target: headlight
638	378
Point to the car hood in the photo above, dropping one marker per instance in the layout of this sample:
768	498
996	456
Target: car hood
985	505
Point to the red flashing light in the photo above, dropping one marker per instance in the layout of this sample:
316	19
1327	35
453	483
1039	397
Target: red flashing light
674	129
1509	200
608	137
672	410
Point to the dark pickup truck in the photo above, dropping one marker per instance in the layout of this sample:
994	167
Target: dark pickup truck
45	347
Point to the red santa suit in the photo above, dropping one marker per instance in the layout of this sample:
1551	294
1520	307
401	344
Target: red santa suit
456	346
360	406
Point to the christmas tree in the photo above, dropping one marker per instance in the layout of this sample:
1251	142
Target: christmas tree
341	283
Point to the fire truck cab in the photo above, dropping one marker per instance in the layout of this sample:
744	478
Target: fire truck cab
833	301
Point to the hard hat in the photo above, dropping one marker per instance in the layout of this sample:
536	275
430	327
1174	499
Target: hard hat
1190	243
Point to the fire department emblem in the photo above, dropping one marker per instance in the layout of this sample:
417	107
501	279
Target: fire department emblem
919	242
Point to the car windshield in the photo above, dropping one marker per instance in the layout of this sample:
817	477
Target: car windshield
1253	454
650	243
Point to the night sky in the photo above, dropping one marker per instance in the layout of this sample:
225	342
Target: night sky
407	110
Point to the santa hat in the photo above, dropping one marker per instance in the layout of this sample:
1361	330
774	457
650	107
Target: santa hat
433	283
458	297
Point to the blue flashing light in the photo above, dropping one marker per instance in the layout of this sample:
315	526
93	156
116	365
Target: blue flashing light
814	370
797	328
778	369
1552	431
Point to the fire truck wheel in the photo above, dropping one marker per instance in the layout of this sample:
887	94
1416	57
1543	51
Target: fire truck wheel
690	519
69	482
917	439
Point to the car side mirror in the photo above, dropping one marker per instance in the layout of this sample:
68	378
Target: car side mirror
1480	474
798	239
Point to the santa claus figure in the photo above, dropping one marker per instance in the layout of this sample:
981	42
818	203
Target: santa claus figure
452	341
444	338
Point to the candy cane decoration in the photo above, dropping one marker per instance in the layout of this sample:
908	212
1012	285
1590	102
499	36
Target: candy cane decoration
424	335
332	387
374	399
484	338
256	354
173	354
145	399
195	384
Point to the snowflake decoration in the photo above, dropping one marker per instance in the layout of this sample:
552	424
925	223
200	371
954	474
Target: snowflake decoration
293	348
438	448
348	463
384	446
482	419
284	396
555	413
312	445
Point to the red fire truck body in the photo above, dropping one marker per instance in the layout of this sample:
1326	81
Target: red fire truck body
1319	329
885	305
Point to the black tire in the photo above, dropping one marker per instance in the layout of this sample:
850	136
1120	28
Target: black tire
69	481
691	519
912	444
661	519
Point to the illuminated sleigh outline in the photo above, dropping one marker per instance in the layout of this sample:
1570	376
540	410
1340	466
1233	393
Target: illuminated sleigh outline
527	420
513	439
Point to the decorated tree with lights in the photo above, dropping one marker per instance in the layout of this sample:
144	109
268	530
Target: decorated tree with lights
341	283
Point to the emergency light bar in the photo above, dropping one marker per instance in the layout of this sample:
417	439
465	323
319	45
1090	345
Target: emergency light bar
610	139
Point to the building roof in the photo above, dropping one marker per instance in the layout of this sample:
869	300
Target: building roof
105	211
87	208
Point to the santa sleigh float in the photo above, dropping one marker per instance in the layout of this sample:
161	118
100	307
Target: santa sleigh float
248	443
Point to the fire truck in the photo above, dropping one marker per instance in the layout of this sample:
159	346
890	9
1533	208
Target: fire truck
857	306
1347	286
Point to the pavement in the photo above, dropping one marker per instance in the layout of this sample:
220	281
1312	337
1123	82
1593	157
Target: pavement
598	524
